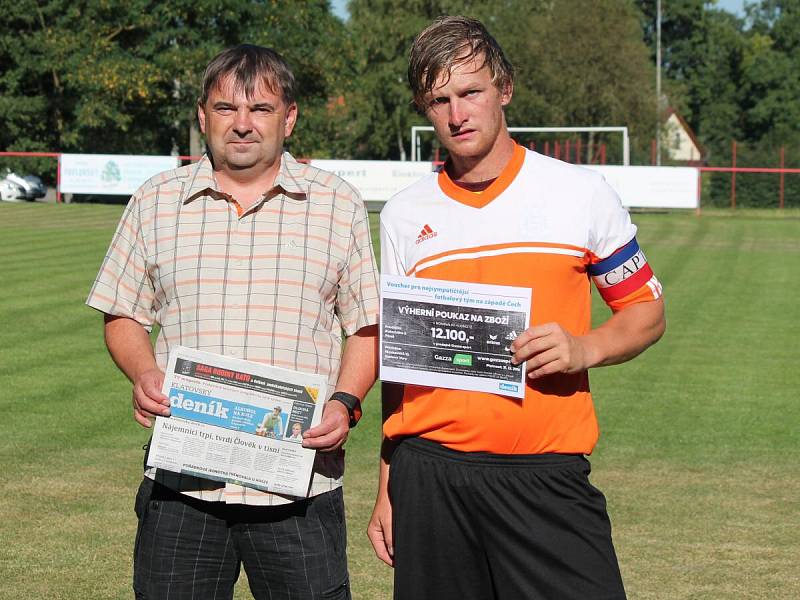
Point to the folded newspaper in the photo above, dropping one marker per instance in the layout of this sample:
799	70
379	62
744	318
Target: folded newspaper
237	421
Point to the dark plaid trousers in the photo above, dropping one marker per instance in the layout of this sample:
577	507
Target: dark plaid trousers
191	549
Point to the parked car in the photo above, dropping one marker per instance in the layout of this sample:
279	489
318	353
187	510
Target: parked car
38	186
31	185
11	192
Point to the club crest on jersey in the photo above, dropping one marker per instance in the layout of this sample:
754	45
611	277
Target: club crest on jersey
426	234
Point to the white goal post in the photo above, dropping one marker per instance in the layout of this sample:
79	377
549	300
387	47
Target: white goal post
626	145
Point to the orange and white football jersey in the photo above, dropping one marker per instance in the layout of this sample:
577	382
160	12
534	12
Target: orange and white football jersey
542	224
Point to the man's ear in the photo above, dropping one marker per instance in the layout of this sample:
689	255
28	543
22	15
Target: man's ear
201	118
506	93
291	119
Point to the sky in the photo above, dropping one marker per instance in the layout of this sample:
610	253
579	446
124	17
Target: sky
339	8
734	6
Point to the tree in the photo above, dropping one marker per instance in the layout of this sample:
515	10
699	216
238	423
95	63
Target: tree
380	103
129	79
770	99
82	86
771	72
581	62
736	79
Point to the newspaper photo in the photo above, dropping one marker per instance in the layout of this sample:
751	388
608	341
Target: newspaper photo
237	421
452	334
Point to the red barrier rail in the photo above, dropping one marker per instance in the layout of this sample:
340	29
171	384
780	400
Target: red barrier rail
733	170
749	169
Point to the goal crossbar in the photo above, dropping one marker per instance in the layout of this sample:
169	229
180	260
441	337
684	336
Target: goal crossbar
416	142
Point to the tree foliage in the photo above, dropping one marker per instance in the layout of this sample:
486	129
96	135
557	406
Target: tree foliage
114	76
586	64
581	62
735	78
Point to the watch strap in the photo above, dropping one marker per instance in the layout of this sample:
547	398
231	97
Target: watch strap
352	403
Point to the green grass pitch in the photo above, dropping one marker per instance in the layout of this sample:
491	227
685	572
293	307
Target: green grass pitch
698	456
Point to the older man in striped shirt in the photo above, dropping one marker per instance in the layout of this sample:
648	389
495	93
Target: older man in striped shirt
252	255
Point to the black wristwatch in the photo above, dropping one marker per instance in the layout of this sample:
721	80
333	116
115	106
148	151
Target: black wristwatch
352	403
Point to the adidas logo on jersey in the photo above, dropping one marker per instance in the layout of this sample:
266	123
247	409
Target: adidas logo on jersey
426	234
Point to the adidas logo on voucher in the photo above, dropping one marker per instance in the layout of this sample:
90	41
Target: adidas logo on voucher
426	234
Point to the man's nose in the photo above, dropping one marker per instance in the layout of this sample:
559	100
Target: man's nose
243	123
457	114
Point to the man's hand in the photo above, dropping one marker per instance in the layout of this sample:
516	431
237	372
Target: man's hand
148	401
332	432
549	349
379	529
129	345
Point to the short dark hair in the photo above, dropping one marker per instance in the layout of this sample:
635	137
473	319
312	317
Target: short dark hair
448	42
250	65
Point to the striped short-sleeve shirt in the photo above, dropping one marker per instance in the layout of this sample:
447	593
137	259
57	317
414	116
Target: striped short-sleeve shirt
278	283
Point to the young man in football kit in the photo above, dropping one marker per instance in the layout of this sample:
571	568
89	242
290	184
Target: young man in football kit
483	496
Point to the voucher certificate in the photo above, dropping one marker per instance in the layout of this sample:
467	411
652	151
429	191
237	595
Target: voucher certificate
452	334
237	421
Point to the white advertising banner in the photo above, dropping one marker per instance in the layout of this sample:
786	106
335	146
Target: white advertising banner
653	187
377	179
639	187
110	174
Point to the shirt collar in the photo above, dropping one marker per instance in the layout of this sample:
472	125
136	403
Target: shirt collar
290	180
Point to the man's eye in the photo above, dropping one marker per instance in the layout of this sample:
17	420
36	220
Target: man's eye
436	101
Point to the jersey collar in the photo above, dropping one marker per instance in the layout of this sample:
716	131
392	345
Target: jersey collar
498	186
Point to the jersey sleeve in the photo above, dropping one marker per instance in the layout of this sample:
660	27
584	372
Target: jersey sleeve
617	264
391	263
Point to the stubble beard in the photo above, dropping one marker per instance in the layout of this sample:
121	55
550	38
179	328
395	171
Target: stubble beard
242	159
